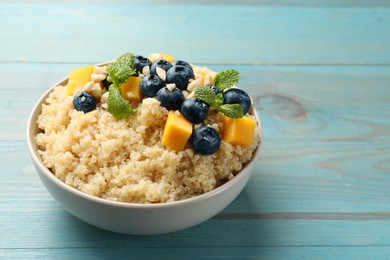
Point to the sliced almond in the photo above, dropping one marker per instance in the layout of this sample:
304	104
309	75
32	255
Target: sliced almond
208	80
185	93
171	86
98	77
103	98
155	57
146	70
161	73
191	95
99	70
193	84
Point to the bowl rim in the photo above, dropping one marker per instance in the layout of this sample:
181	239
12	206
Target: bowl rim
193	200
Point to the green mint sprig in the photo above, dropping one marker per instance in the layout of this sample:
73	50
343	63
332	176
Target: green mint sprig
223	81
117	105
207	95
122	68
226	79
120	71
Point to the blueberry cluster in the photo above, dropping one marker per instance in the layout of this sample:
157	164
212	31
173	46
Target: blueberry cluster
158	84
205	139
163	73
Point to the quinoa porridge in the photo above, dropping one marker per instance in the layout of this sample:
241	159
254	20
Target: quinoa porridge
135	158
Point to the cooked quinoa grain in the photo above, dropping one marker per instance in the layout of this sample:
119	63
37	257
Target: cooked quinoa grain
124	160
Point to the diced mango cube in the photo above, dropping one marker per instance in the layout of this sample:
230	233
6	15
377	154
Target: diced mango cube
131	90
78	78
168	57
238	131
177	131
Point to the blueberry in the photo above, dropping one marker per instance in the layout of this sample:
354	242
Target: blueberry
182	63
151	84
165	65
205	140
84	102
194	110
237	96
214	89
180	75
171	100
141	62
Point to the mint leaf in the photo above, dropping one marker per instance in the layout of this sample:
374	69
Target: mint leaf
232	110
226	79
117	105
122	68
206	95
216	101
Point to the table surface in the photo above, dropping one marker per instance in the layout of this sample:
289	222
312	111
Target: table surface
319	72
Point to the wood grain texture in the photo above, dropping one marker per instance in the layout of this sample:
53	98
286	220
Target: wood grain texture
294	178
318	198
273	253
247	34
295	103
319	73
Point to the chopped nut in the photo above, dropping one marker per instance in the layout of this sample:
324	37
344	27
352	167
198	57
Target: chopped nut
185	93
99	70
208	80
155	57
171	86
104	97
98	77
215	126
190	152
146	70
150	101
99	74
194	84
191	95
161	73
77	91
94	89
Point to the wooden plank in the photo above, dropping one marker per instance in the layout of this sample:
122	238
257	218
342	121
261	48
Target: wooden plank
252	34
295	103
297	252
57	229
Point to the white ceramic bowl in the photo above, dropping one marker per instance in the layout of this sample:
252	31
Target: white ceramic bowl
134	218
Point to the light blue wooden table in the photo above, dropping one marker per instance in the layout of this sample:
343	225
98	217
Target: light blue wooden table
319	72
